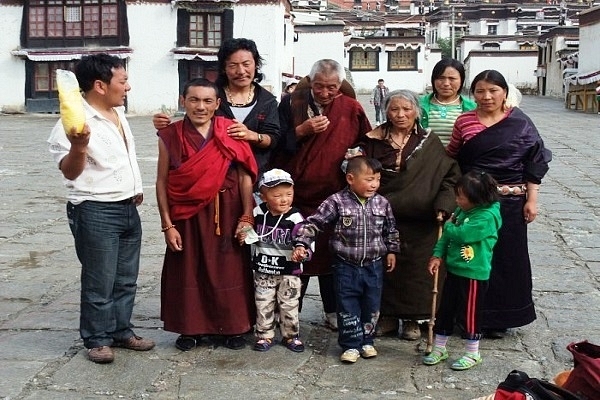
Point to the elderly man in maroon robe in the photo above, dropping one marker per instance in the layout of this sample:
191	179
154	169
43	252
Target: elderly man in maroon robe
319	122
204	192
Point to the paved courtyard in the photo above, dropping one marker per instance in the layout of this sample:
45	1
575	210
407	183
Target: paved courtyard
42	357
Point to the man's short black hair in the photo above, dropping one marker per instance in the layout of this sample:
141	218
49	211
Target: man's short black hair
96	67
199	82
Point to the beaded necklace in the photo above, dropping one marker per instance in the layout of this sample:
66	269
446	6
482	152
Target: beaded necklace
445	104
442	106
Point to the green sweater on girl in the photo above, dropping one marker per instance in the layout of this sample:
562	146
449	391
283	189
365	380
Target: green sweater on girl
467	243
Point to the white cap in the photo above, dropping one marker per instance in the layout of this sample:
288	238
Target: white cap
275	177
291	81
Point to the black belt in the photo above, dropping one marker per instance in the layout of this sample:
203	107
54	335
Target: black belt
125	201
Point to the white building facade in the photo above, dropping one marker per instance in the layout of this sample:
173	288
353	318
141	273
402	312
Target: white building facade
583	86
12	69
317	40
557	59
164	43
518	67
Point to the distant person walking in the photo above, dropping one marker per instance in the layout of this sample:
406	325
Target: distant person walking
377	97
598	97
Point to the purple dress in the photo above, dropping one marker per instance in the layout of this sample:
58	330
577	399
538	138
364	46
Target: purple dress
513	152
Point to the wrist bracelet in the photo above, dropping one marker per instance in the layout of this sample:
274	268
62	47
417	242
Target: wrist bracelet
166	228
247	219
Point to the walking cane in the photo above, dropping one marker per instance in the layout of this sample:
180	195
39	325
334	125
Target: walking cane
434	292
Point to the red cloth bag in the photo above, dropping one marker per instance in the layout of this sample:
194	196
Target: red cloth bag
519	386
584	379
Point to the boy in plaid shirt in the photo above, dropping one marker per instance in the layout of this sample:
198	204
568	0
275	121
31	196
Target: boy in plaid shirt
365	238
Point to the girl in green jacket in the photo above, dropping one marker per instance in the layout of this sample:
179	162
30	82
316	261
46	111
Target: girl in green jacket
466	245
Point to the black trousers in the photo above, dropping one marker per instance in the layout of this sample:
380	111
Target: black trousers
461	304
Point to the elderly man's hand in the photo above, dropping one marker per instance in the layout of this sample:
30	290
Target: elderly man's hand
311	126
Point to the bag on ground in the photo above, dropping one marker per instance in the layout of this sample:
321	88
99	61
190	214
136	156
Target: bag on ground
519	386
584	379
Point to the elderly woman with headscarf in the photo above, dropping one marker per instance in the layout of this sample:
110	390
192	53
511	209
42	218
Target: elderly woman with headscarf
418	180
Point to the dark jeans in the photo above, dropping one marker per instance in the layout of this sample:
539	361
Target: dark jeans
379	114
358	294
108	238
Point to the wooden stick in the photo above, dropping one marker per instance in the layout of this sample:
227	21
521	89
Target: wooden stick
434	292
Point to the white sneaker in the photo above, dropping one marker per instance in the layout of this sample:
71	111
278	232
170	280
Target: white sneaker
331	321
368	351
350	356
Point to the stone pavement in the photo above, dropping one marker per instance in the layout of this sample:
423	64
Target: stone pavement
42	357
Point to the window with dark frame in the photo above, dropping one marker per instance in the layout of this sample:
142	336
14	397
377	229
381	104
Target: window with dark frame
44	75
58	19
527	46
491	46
206	30
402	60
364	60
202	69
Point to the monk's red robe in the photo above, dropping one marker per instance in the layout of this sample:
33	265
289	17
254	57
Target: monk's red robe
207	288
197	180
316	164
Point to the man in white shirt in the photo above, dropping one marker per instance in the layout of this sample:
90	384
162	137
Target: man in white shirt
104	187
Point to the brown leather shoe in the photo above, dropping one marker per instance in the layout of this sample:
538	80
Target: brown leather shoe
136	343
387	326
101	355
410	330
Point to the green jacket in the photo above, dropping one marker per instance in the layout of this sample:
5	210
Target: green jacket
467	244
466	102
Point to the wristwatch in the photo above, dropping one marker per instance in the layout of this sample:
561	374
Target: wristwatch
260	138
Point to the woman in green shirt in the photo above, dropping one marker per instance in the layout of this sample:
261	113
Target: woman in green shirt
441	107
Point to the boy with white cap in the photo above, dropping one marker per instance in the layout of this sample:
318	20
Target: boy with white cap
276	274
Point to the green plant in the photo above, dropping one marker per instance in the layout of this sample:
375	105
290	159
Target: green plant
445	45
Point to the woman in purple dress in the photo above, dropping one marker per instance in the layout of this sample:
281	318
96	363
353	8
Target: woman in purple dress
505	143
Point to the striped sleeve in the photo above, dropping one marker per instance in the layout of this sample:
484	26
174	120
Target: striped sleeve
466	127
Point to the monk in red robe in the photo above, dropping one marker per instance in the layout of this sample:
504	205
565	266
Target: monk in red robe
319	122
204	192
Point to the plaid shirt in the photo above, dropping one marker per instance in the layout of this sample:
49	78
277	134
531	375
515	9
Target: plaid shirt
363	232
